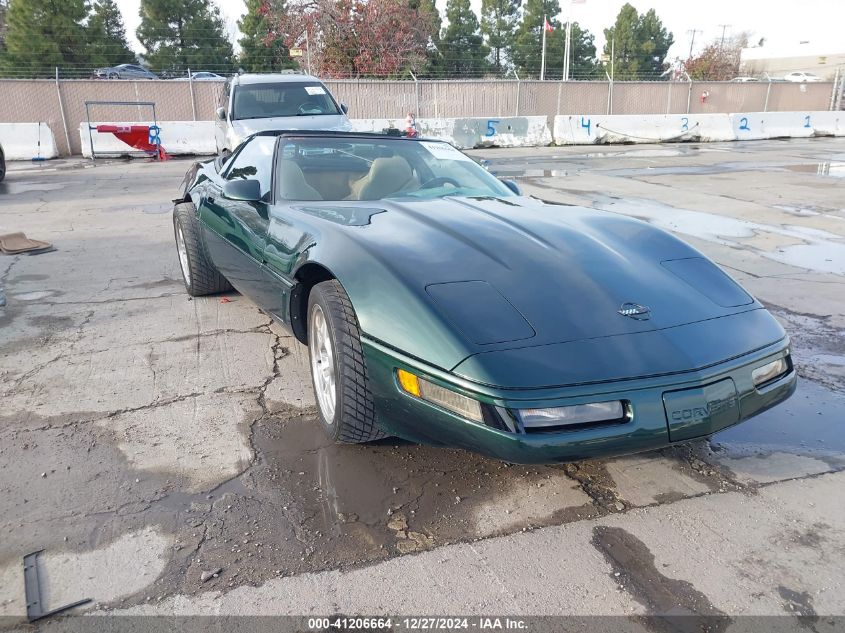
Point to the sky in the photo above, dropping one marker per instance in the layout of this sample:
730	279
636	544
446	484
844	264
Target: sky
781	22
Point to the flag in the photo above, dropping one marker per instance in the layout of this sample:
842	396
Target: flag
548	26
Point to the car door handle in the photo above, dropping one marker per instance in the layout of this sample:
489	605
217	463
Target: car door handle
210	199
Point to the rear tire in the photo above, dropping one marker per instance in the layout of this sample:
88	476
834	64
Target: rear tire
200	275
338	371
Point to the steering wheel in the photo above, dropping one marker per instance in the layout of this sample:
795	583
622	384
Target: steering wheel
310	107
439	181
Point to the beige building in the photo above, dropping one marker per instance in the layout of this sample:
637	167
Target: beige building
780	60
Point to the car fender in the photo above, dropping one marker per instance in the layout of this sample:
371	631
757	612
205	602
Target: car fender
390	309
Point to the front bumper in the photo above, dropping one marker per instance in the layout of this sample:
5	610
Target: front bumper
655	419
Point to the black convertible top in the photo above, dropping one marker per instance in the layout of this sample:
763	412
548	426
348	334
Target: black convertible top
341	134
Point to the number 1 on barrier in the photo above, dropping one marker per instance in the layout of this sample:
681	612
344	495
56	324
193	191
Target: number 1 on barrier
807	121
586	125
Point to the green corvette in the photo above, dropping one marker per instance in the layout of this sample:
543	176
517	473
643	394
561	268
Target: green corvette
442	306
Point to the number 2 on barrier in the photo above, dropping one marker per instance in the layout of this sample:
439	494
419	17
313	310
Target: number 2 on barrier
684	124
743	124
491	129
586	125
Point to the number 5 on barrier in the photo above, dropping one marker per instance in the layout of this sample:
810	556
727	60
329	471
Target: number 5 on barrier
491	130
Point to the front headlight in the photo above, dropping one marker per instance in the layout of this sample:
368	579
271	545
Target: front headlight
572	415
440	396
769	371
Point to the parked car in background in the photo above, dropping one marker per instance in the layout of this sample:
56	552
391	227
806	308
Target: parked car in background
742	80
125	71
207	76
281	101
800	77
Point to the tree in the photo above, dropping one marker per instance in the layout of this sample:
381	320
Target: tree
107	45
356	38
463	48
182	34
641	43
583	63
528	44
429	14
498	25
719	61
259	51
43	34
4	7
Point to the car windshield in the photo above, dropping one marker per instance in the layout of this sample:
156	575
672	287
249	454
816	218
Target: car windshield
375	169
290	98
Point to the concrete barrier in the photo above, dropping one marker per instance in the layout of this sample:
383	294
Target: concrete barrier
577	129
748	126
25	141
828	123
468	133
177	137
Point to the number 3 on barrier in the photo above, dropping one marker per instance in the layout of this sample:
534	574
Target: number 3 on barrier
491	129
586	125
684	124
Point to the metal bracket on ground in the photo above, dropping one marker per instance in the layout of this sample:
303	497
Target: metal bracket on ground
32	589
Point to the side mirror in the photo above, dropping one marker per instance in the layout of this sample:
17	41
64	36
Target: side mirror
510	184
245	190
344	108
221	114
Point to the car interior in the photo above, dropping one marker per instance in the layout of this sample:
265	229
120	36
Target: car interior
373	171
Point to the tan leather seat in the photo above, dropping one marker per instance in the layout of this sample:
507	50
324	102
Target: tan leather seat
386	177
292	183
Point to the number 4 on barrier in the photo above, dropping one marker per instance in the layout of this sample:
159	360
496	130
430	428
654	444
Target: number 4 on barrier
586	125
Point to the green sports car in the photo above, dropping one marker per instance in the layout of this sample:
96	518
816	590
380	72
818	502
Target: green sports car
440	305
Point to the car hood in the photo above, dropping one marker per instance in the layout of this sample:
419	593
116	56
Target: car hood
335	123
507	273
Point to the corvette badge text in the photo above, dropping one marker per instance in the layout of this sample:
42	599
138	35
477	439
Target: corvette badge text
702	413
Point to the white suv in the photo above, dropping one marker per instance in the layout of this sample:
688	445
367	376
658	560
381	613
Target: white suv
252	103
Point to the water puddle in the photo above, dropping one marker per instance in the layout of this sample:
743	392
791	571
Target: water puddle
811	423
308	504
13	187
821	251
528	173
823	168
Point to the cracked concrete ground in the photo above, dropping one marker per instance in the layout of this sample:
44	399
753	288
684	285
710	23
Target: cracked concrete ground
163	451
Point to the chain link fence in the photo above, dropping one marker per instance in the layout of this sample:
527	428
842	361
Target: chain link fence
61	103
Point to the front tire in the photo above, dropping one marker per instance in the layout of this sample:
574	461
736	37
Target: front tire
338	372
200	275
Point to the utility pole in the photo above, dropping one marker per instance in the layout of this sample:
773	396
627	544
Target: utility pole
724	28
692	33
